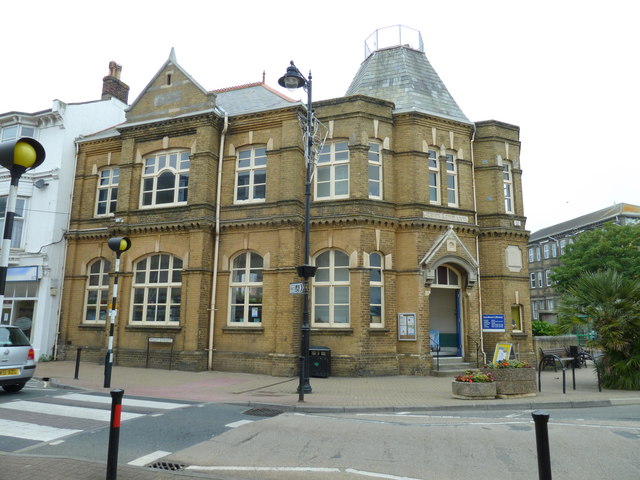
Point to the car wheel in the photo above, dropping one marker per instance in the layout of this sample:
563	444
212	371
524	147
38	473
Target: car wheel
13	388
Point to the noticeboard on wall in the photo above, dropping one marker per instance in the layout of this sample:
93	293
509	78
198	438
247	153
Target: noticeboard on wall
407	327
493	323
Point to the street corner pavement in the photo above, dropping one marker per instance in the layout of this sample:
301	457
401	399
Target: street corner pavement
334	393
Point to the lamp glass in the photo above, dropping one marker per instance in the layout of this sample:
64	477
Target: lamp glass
292	82
24	155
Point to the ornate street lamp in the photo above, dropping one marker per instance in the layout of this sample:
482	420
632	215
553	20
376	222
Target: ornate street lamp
18	157
118	245
294	79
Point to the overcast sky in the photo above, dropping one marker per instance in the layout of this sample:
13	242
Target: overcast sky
565	71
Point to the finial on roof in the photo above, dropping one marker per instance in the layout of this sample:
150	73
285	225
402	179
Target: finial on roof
172	55
263	75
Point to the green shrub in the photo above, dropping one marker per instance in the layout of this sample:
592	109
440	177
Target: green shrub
540	328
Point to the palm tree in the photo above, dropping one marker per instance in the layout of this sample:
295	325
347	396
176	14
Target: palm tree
611	303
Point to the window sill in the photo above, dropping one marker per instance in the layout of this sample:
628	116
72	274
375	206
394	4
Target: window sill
92	326
331	331
238	329
379	330
153	328
519	334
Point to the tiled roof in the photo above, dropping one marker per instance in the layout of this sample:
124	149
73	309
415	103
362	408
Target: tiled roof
588	220
251	98
404	76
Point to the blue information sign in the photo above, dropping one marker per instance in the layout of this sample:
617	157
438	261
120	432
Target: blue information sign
493	323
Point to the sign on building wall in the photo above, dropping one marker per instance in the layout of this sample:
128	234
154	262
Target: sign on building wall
493	323
407	326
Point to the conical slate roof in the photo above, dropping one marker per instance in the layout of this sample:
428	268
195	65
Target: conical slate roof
404	76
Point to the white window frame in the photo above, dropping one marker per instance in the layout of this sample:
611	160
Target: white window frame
452	179
10	132
550	304
433	163
540	284
160	277
533	280
156	169
251	164
246	280
336	280
17	234
98	284
376	282
554	250
332	171
375	171
545	250
446	277
531	255
547	277
563	245
507	177
108	181
538	258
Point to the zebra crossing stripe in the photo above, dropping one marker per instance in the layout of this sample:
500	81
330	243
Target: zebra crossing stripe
126	402
66	410
32	431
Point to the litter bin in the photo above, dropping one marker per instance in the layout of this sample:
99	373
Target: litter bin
319	362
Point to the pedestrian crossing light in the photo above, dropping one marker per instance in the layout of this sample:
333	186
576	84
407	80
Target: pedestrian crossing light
119	244
21	155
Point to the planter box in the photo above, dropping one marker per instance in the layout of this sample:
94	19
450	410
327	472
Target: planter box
473	391
515	382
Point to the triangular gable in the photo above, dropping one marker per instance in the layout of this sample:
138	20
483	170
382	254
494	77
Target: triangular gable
172	92
449	249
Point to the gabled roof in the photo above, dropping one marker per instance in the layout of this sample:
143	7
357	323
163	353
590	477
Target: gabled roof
404	76
587	221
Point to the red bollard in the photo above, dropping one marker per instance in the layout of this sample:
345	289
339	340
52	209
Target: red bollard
114	433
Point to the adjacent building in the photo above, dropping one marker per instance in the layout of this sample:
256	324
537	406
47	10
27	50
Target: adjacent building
38	244
417	227
547	246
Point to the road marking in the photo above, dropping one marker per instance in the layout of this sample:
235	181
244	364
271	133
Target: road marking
66	411
379	475
126	402
31	431
152	457
239	423
263	469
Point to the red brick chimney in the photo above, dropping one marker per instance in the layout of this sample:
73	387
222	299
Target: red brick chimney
112	86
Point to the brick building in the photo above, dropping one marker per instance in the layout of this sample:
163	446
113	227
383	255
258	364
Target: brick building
417	227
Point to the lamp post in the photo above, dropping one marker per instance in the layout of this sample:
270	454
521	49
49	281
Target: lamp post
17	156
118	245
291	80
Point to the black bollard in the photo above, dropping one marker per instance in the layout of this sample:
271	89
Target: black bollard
541	419
79	351
114	433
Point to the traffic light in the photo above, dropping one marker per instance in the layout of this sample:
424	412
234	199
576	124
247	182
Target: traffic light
21	155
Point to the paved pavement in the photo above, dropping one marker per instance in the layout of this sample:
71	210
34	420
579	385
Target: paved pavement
334	394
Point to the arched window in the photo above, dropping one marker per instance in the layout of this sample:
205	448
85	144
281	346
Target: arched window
331	290
165	179
96	303
157	290
245	295
376	290
447	277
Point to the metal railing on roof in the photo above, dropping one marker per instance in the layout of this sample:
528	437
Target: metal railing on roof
393	36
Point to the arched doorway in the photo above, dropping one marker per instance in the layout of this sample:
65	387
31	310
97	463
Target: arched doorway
445	312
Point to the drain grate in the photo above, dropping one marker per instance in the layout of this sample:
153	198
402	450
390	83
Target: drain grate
262	412
167	466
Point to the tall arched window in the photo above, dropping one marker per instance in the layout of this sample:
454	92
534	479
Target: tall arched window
376	290
96	308
165	179
245	295
331	290
157	290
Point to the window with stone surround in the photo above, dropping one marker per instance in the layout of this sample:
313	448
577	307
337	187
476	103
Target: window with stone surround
97	292
331	290
245	290
375	171
452	180
376	290
165	179
157	290
434	177
516	318
332	171
507	179
107	196
251	175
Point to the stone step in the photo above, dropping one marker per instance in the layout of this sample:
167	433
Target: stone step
451	367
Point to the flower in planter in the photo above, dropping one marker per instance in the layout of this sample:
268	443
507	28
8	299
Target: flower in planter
475	376
508	364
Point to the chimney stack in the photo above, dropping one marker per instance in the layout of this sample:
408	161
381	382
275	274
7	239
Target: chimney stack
112	86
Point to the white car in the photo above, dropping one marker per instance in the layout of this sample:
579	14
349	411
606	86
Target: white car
17	359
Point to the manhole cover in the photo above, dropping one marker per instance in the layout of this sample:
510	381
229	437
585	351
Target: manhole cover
263	412
167	466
